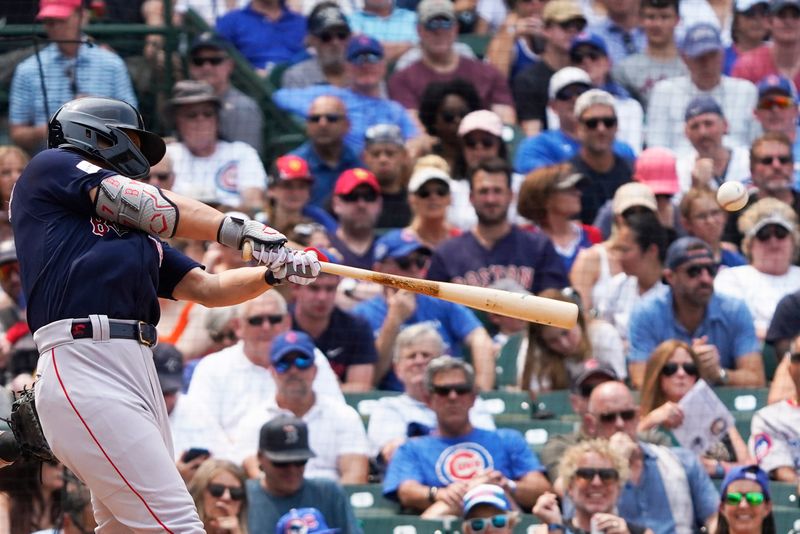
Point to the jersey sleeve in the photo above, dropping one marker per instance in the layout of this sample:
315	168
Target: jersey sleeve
404	466
767	444
173	268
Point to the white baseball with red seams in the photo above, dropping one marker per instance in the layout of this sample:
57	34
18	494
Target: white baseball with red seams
732	196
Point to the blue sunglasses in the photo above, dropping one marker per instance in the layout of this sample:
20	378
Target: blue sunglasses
300	361
497	521
441	23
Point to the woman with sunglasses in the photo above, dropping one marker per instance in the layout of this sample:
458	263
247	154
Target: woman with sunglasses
771	243
429	200
745	507
219	494
672	370
593	475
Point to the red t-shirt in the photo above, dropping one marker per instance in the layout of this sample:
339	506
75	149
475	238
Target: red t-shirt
757	64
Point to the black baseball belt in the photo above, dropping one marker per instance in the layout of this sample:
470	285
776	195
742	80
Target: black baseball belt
144	333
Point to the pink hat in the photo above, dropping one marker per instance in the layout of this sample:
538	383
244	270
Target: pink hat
484	120
57	9
656	168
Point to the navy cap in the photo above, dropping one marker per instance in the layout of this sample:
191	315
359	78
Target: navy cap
701	39
687	249
777	84
397	244
588	39
363	44
326	17
208	40
700	105
746	472
777	5
285	439
289	342
303	520
169	367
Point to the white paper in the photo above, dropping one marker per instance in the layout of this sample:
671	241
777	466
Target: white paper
706	419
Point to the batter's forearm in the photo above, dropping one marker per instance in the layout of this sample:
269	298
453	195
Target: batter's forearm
223	289
195	219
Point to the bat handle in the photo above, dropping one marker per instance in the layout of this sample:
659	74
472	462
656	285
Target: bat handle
247	250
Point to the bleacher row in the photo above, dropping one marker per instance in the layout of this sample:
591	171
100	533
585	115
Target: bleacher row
549	414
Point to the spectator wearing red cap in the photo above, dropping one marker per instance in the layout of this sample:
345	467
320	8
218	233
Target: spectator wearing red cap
357	204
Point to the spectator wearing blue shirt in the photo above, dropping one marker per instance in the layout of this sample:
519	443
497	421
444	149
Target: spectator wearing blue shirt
399	252
366	106
719	328
265	32
63	70
327	154
620	29
394	26
431	473
559	145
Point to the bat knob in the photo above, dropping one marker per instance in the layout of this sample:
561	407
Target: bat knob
247	250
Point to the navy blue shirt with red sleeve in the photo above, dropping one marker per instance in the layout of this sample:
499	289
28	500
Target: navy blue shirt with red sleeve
528	258
72	262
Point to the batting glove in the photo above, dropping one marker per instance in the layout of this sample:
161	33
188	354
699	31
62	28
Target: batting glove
300	267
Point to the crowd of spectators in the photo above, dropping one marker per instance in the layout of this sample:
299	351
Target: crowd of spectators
576	157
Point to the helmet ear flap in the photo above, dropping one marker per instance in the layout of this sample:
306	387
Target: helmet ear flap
55	135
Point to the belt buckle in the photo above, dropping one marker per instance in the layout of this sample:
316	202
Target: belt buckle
141	325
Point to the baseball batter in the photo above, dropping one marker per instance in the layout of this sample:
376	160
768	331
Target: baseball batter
93	264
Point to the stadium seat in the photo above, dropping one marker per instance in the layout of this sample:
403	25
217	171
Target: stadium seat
538	431
408	524
364	402
368	500
784	494
556	402
506	366
508	404
746	400
787	519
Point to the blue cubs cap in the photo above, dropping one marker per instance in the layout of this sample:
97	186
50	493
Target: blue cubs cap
701	39
289	342
776	84
490	494
363	44
700	105
588	39
746	472
303	521
687	249
397	244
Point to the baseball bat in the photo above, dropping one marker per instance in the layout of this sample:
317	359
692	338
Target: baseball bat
526	307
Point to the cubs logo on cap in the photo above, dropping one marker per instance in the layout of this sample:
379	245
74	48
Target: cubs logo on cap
303	521
462	462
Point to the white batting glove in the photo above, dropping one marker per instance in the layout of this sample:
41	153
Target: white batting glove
300	267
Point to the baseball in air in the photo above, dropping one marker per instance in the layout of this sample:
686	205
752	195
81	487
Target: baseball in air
732	196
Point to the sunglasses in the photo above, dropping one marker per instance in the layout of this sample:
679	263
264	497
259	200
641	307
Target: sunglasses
160	176
593	123
769	160
445	391
223	336
406	262
366	59
284	465
258	320
577	25
696	270
592	55
193	115
568	93
327	37
452	117
367	196
776	102
332	118
794	357
8	269
440	191
671	368
755	11
770	231
439	24
218	490
753	498
215	60
606	474
483	523
485	142
301	361
611	417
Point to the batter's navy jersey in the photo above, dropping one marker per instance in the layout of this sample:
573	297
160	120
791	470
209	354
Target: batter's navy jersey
72	262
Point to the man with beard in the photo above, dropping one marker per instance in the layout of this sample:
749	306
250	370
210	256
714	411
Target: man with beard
357	204
719	328
495	248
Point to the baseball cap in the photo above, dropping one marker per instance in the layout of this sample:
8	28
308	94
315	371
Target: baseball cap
208	40
431	9
426	174
593	97
562	11
290	167
216	320
192	92
325	18
740	6
57	9
656	168
686	249
483	120
490	494
290	342
566	77
169	367
285	439
363	44
633	194
777	5
588	39
384	133
303	521
775	83
700	105
701	39
8	252
352	178
566	181
397	244
590	368
746	472
774	218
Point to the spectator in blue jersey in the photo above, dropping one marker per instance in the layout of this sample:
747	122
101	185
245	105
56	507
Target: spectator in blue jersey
393	26
265	32
496	248
356	202
778	111
400	253
363	97
67	68
561	144
326	152
434	472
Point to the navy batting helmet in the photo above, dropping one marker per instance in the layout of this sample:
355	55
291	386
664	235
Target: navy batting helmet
98	128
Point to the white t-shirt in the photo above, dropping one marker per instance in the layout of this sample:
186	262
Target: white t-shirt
221	177
738	168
